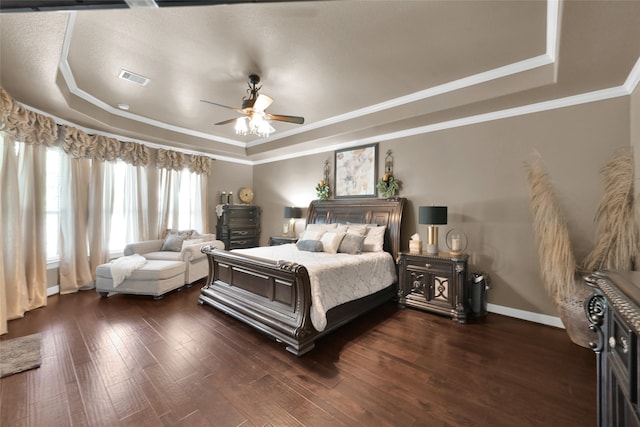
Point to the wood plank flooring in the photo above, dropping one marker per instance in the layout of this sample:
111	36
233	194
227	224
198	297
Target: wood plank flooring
133	361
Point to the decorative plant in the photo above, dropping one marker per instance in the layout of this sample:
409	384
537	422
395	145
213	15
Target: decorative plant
322	189
388	185
616	240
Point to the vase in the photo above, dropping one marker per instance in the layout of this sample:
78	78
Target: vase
573	315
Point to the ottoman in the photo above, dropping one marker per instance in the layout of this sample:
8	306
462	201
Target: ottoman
154	278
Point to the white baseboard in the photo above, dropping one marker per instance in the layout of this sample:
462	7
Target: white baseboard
526	315
493	308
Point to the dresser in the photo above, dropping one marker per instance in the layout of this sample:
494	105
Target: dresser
239	226
435	283
613	312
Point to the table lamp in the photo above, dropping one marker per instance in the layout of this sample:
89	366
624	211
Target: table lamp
432	216
292	213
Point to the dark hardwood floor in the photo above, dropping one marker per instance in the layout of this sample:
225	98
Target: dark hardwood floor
133	361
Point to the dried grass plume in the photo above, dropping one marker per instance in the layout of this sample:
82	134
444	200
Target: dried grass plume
557	261
616	244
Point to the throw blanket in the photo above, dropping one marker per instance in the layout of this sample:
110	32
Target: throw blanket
122	267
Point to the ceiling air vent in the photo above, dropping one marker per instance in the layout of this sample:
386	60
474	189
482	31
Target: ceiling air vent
133	77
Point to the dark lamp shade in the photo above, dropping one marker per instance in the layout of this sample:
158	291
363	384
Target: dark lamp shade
291	212
433	215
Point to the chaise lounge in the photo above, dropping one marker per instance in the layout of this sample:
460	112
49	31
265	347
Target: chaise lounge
171	263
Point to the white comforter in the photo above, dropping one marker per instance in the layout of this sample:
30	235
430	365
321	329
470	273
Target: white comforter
335	278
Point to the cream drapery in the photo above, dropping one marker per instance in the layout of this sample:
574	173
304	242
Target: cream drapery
23	284
87	202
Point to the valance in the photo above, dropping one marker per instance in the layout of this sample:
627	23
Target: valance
168	159
33	128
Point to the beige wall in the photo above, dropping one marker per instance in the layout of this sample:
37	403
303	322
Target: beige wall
477	171
226	177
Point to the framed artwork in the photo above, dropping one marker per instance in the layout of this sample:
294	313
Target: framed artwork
356	171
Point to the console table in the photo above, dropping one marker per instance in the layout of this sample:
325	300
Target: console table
614	314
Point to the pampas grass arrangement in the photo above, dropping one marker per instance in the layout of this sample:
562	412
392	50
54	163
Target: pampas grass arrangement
557	262
617	235
616	238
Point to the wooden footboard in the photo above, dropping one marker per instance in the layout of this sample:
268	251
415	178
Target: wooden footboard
273	297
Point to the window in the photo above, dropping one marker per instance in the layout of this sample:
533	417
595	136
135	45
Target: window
52	209
117	234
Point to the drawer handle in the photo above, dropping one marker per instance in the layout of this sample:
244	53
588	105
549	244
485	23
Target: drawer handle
623	343
243	232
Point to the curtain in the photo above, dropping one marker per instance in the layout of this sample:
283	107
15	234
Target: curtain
23	284
75	269
100	211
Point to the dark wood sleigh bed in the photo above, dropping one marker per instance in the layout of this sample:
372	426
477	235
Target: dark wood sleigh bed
275	297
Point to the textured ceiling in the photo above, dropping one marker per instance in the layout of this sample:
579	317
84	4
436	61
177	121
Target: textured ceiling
353	69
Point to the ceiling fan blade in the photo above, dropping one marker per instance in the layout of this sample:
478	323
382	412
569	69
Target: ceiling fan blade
281	118
226	122
262	102
223	106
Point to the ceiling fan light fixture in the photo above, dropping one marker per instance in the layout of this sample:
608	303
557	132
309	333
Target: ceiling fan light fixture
265	129
241	126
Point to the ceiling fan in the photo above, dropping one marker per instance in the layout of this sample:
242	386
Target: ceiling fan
255	120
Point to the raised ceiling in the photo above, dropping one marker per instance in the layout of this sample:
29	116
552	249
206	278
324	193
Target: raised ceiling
355	70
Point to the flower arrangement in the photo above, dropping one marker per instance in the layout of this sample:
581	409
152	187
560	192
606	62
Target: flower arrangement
388	185
323	190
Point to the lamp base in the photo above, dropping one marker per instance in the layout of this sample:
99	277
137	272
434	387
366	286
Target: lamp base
432	249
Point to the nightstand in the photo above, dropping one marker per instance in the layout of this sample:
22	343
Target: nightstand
281	240
435	283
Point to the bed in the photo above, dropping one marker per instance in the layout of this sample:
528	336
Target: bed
275	296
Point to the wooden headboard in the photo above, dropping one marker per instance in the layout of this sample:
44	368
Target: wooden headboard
387	212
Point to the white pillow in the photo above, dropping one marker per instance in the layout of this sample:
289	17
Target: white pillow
340	228
359	229
320	227
311	235
192	242
374	240
331	241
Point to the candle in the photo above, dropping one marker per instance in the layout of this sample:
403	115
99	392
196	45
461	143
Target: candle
455	244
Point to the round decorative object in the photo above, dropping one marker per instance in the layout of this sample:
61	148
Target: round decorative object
456	241
246	195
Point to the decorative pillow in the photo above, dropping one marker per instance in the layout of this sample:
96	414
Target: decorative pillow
320	227
351	244
374	240
331	241
359	229
172	243
185	234
340	228
192	242
311	235
309	245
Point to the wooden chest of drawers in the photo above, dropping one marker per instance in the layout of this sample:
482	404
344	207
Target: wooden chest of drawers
613	312
239	226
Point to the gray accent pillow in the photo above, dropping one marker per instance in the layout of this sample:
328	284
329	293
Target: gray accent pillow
309	245
351	244
172	243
